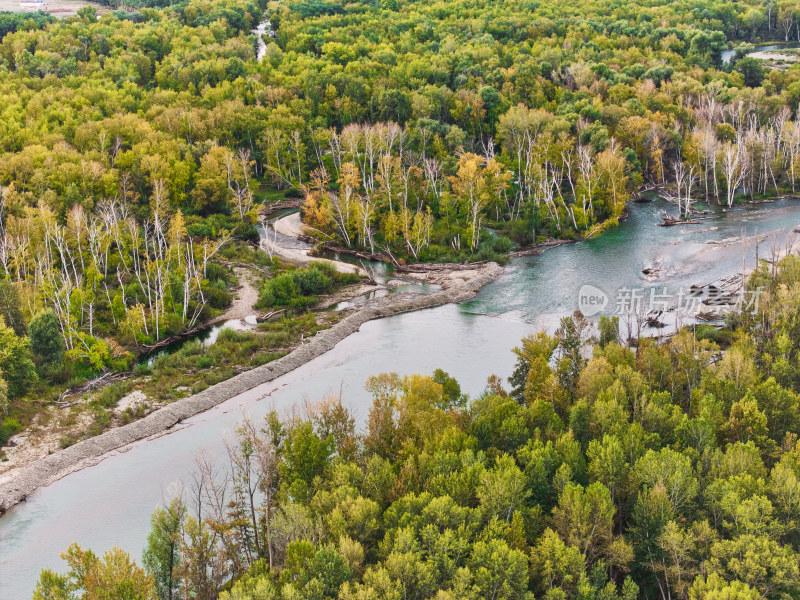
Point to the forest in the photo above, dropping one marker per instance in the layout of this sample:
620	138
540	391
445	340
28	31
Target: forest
666	471
139	149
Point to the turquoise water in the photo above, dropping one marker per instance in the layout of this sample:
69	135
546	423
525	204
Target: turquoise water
110	503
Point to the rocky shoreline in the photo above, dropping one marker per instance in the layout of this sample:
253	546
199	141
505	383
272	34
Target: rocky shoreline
17	484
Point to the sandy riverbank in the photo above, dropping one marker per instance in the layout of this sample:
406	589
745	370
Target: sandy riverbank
291	226
17	484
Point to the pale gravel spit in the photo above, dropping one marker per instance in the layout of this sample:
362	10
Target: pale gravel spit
17	484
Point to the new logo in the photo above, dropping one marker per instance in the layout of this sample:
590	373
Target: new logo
591	300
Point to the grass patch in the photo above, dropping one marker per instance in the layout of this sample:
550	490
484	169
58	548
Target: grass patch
197	367
721	337
244	252
110	395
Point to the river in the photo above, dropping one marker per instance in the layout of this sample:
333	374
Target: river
728	55
265	27
110	503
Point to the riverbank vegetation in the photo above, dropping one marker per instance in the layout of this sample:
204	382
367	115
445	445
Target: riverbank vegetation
300	288
177	373
665	471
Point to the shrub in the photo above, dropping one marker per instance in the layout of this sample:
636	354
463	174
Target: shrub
312	282
110	395
299	289
502	244
8	427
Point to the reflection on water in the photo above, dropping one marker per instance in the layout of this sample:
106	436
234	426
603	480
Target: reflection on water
110	504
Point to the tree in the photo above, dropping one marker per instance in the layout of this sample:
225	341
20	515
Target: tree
556	565
532	369
751	70
502	490
715	587
500	573
47	343
476	183
305	456
584	518
162	554
115	577
733	162
671	470
452	397
761	563
15	362
607	465
10	308
572	334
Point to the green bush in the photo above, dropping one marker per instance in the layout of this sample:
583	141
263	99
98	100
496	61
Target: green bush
283	289
8	427
502	245
299	289
312	282
110	395
217	295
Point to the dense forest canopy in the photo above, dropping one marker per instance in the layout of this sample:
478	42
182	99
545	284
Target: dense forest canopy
410	126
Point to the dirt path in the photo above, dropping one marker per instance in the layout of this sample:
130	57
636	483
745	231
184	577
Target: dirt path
243	304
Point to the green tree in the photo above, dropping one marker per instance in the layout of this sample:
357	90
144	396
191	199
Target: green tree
554	564
115	577
674	472
162	555
502	490
608	465
11	309
584	518
305	457
15	362
46	340
751	70
715	587
761	563
500	572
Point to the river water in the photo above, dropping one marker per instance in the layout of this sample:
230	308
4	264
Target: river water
261	47
110	503
728	55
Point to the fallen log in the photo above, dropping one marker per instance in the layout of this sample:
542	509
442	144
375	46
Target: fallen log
436	267
289	203
538	249
92	384
672	221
